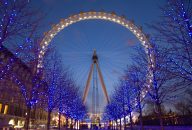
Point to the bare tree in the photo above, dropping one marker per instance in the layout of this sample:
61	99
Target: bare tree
184	107
174	30
164	88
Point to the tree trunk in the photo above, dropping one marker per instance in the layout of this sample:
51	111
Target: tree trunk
67	122
59	124
79	127
28	118
131	120
116	124
48	119
140	117
78	124
75	124
71	124
160	115
124	119
113	125
120	123
110	124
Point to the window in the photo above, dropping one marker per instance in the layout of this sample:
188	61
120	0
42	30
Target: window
5	109
0	107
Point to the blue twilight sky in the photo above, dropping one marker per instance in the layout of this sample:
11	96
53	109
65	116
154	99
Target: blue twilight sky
113	43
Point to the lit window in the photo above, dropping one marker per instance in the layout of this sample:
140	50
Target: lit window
6	109
0	107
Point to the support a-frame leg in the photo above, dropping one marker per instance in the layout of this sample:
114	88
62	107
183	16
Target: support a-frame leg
102	82
88	83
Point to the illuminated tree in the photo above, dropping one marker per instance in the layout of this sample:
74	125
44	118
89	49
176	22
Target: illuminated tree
62	95
78	109
18	26
68	99
29	84
119	98
52	75
18	21
121	103
28	54
129	99
137	79
69	102
112	111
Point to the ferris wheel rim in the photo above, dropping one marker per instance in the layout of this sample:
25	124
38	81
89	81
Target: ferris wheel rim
112	17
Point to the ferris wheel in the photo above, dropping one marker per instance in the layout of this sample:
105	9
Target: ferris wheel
113	42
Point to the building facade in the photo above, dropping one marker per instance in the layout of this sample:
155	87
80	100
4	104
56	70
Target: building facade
13	109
